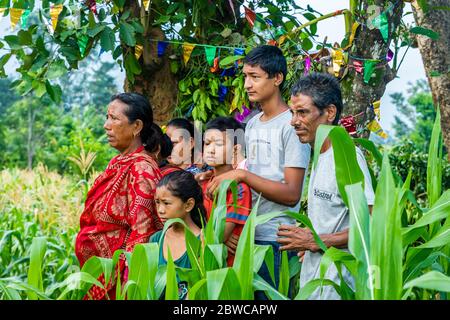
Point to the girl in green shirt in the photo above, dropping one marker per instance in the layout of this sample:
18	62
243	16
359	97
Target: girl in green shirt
178	195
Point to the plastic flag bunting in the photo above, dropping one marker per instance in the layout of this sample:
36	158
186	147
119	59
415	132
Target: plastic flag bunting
376	109
215	66
241	116
389	55
138	51
375	127
238	52
24	18
349	124
381	22
358	66
14	15
250	15
187	51
222	92
2	10
307	65
92	5
338	61
352	35
210	53
146	4
369	66
161	48
54	14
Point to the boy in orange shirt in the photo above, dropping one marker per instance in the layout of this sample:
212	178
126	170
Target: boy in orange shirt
220	147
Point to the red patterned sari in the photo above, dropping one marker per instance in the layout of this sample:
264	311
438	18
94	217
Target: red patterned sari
119	210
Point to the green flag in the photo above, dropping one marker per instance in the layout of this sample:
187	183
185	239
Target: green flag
24	18
369	66
381	22
210	54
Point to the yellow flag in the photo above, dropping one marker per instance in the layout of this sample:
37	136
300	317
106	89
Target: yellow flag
376	109
338	60
1	11
375	127
14	15
146	4
138	51
352	35
187	50
54	14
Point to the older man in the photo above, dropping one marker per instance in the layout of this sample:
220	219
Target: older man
316	99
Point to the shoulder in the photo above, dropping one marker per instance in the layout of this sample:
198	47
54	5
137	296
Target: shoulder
156	236
144	164
253	120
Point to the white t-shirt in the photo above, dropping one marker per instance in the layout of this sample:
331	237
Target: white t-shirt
329	214
272	146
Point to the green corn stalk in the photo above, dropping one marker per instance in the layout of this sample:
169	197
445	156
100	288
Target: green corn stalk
37	252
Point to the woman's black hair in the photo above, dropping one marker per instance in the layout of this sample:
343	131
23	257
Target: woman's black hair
183	185
139	108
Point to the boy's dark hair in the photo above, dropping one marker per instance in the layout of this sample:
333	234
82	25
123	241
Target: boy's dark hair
182	123
139	108
162	141
183	185
268	58
323	89
226	123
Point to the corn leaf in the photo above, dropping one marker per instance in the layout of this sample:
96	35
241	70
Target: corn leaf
37	252
171	284
309	288
283	286
432	280
223	284
359	241
260	284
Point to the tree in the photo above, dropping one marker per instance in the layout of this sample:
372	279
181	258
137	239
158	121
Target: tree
189	88
433	40
418	111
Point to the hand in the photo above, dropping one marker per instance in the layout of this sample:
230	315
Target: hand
199	177
232	243
301	256
213	186
295	238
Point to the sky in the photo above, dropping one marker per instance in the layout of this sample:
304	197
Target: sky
411	70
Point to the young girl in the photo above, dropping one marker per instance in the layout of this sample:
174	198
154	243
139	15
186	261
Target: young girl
178	195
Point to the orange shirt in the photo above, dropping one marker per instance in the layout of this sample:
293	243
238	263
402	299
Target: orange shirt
238	216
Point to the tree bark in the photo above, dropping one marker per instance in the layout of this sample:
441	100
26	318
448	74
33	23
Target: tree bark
368	44
436	57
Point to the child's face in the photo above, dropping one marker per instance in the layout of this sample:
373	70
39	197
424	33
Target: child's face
258	85
218	148
182	146
169	206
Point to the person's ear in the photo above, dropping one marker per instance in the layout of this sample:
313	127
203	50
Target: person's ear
279	79
331	113
138	126
189	205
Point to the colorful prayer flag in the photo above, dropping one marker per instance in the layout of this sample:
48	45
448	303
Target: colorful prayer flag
338	60
352	35
369	66
215	66
146	4
222	92
375	127
210	53
381	22
376	109
307	65
55	10
250	15
14	15
138	49
92	5
24	18
349	124
389	55
241	116
161	48
187	51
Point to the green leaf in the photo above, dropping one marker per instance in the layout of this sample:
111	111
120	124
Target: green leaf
54	92
13	42
425	32
432	280
92	32
37	252
434	164
227	61
132	65
359	241
25	38
126	34
312	285
260	284
223	284
441	238
107	39
423	4
142	270
171	284
56	70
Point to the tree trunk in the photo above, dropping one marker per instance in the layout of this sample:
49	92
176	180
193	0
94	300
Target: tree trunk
368	44
30	140
436	57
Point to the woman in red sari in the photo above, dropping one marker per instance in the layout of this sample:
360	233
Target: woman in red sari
120	209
